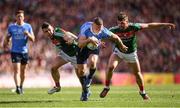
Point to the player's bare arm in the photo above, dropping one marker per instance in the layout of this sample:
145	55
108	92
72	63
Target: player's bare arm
70	38
157	25
119	42
6	42
30	36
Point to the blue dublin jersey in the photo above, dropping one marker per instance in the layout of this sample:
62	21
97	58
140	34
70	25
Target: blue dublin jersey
19	40
86	30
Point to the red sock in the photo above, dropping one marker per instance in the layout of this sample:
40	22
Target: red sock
107	83
141	88
57	84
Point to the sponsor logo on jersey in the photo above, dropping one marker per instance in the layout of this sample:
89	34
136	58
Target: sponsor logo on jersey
126	35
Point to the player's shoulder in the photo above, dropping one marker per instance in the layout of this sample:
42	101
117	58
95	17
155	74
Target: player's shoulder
27	24
59	29
132	24
12	25
113	28
86	25
56	29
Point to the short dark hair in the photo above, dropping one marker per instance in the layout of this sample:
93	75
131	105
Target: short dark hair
98	21
45	25
122	16
19	11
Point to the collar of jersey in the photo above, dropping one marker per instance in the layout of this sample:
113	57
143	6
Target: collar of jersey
18	24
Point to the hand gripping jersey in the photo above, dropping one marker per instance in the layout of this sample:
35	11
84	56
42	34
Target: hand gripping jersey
128	35
61	44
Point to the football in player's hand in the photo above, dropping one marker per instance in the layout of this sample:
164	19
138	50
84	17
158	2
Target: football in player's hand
91	45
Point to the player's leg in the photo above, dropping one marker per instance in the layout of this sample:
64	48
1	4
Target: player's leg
82	77
58	62
112	64
92	62
22	76
139	78
24	61
16	68
82	57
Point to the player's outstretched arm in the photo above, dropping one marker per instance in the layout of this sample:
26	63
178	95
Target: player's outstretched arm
157	25
71	35
119	42
70	38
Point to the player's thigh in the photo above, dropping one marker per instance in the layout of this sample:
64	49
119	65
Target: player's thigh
58	62
23	68
113	61
135	66
81	68
16	67
92	60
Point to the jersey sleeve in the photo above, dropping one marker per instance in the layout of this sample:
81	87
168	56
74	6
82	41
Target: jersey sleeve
137	26
107	33
111	29
31	30
83	29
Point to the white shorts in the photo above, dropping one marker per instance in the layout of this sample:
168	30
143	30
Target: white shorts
130	58
68	58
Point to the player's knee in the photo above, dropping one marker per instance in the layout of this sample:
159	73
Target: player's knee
111	68
93	66
137	74
22	75
81	72
16	72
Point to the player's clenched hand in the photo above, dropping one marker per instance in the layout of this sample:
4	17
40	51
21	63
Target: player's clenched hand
171	26
124	48
26	33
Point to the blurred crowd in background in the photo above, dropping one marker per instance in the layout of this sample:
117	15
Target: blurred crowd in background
158	50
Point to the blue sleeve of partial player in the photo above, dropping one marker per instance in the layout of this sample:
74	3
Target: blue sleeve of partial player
82	30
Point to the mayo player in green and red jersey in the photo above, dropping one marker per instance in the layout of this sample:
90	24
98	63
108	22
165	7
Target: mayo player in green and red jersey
66	43
126	31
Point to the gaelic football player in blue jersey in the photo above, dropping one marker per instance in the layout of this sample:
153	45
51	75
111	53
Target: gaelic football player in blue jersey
88	42
19	33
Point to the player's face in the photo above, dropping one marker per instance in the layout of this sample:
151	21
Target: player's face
96	28
20	18
48	31
123	24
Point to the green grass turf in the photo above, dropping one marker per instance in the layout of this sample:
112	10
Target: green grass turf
125	96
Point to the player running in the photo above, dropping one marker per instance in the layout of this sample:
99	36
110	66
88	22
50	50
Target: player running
66	43
19	33
126	31
90	35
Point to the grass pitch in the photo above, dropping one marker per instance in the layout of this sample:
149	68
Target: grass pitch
125	96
